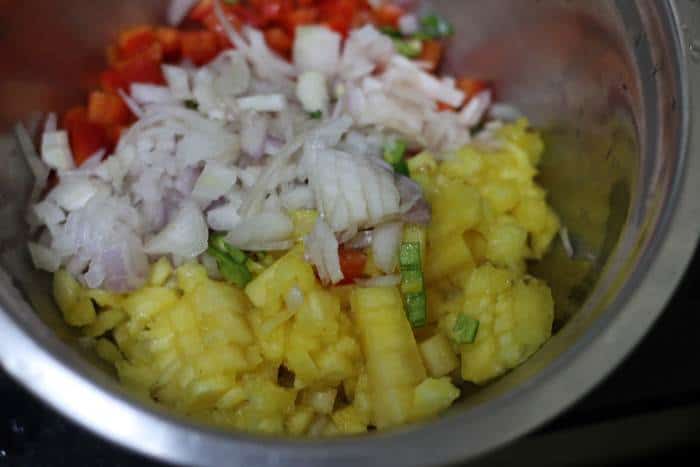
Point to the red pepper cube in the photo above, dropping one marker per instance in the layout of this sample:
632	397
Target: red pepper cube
106	109
199	46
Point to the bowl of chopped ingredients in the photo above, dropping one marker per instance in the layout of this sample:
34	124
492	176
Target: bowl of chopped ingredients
336	231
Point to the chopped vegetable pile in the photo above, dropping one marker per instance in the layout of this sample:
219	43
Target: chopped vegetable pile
275	216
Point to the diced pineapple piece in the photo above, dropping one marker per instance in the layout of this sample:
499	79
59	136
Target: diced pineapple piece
272	344
66	291
82	313
272	284
136	377
457	207
515	319
217	298
148	302
190	275
433	396
267	398
393	361
438	355
507	245
205	392
107	351
447	256
160	272
321	401
103	298
462	164
233	397
105	321
299	421
350	420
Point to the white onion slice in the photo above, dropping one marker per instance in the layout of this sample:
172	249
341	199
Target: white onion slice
386	239
266	228
178	9
74	193
55	150
322	251
263	103
316	48
186	235
44	258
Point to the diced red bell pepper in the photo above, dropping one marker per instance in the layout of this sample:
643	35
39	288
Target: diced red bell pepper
199	46
431	53
272	11
113	133
111	81
301	17
472	87
169	39
135	41
352	263
106	109
388	15
279	41
144	67
85	137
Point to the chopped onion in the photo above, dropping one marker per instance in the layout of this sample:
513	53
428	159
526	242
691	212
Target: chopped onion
312	91
254	135
316	48
186	235
361	240
385	245
44	258
235	79
178	9
51	123
74	193
55	150
178	80
266	228
133	106
223	218
215	181
151	94
322	252
263	103
475	109
49	213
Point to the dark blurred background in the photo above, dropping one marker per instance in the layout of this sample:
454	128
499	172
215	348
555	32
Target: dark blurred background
646	413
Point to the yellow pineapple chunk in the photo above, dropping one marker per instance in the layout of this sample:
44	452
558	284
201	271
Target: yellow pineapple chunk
438	355
433	396
66	291
393	362
515	318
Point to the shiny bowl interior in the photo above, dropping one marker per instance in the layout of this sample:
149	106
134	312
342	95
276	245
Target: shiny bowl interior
608	83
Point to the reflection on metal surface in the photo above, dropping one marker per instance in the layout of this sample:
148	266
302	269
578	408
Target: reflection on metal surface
606	80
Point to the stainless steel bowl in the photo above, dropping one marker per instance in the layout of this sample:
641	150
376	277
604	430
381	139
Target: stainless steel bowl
611	84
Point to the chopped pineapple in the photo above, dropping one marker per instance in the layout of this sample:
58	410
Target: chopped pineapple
515	317
286	355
